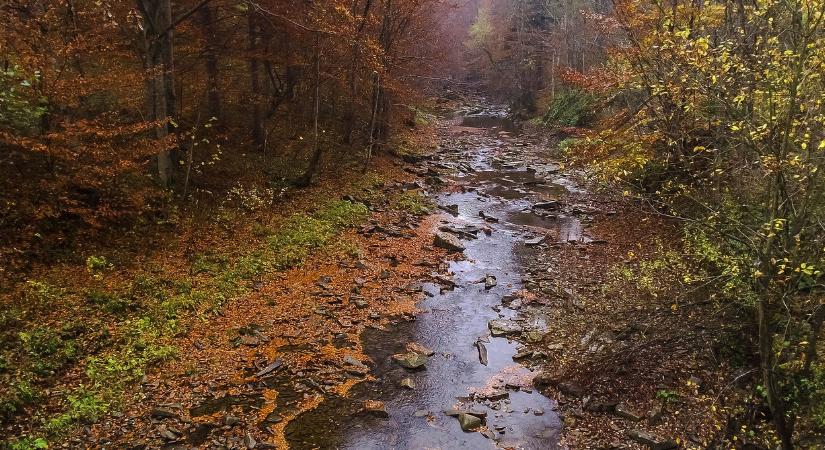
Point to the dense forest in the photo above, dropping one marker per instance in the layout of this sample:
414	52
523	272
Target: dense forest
208	207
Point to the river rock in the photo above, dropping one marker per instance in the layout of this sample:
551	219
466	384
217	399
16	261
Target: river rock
352	361
167	434
547	206
410	360
375	408
482	352
625	412
490	282
163	413
448	241
271	367
504	327
532	242
249	441
418	348
468	422
458	412
487	218
231	421
654	417
650	441
407	383
533	336
452	209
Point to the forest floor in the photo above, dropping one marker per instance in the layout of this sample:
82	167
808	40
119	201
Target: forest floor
444	292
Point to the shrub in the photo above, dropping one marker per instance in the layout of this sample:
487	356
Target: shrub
570	109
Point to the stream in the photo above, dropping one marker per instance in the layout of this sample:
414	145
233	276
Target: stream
500	194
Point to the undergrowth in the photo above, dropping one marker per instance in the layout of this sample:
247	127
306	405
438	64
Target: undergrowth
149	310
569	109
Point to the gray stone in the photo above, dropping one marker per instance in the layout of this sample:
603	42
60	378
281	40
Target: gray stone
250	441
410	360
354	362
650	441
533	336
468	422
472	412
482	352
375	408
625	412
522	354
167	434
163	413
448	241
418	348
534	241
231	421
504	327
487	218
654	417
271	367
490	282
547	206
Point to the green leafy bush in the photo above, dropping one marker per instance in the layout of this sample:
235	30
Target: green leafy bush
20	107
570	109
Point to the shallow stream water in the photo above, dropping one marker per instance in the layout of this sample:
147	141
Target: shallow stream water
501	175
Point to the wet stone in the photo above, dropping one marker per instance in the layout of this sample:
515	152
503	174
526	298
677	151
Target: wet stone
532	242
489	282
458	412
410	360
469	422
415	347
504	327
547	206
452	209
522	354
533	336
487	218
407	383
482	352
448	241
375	408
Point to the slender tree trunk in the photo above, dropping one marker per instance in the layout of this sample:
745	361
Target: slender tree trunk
766	366
376	95
255	84
158	57
213	94
349	117
315	159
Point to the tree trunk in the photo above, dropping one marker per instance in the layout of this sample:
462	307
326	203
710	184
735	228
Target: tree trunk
157	60
255	84
213	90
766	366
315	159
376	95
